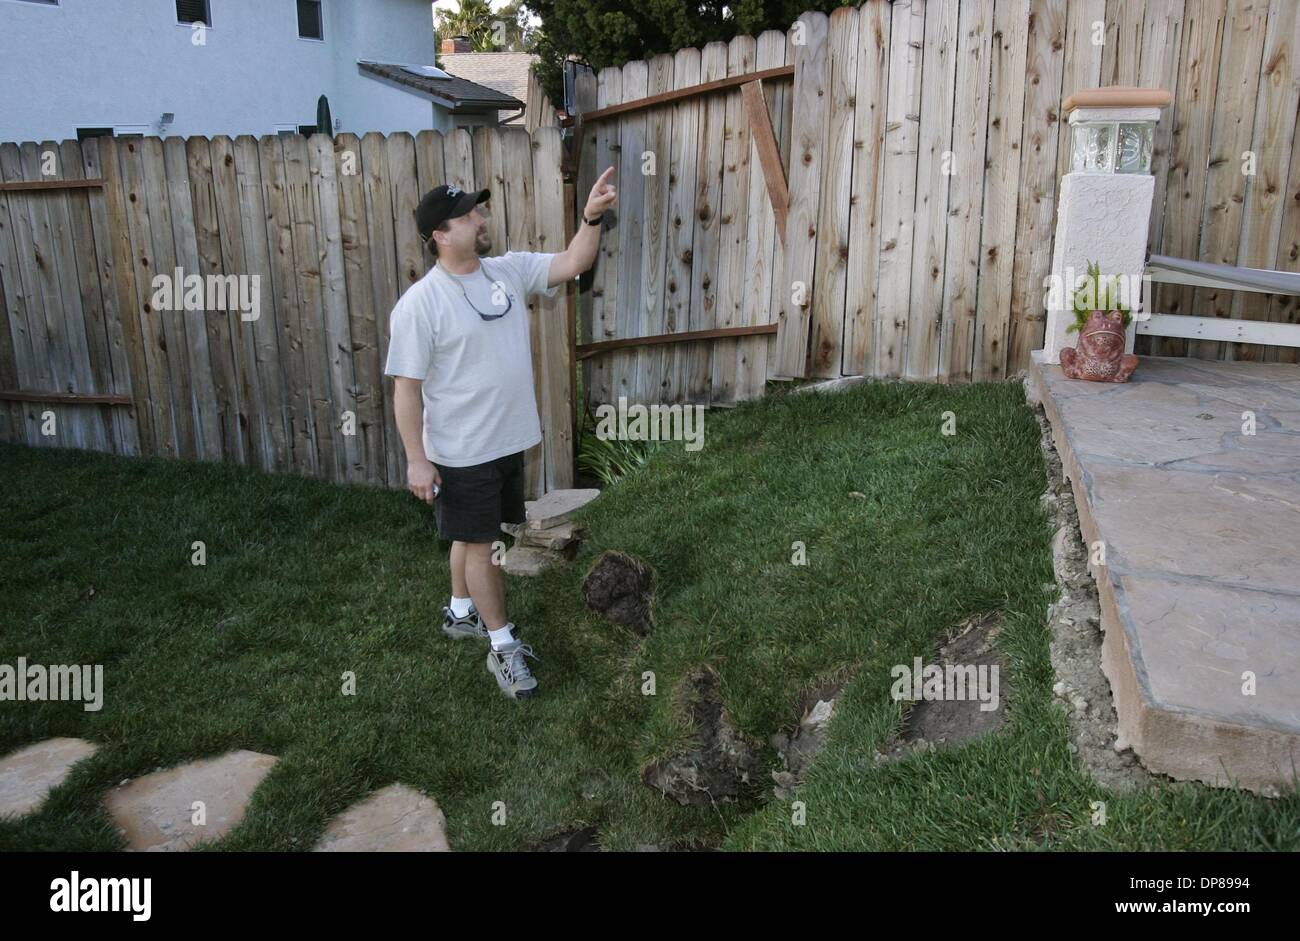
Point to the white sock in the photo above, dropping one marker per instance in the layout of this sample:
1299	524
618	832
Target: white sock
503	636
460	606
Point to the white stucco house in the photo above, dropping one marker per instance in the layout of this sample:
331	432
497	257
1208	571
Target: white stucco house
78	68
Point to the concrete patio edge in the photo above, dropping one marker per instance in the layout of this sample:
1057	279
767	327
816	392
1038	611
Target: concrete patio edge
1182	744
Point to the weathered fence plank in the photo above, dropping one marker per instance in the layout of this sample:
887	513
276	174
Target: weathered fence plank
933	179
246	246
812	63
221	326
143	261
112	270
599	372
289	305
1001	189
336	331
761	238
899	157
966	199
733	222
680	234
1230	137
649	363
1036	217
1193	116
1274	129
555	359
383	268
834	191
362	313
207	431
630	301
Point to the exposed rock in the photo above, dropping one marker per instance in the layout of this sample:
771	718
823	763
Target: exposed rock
621	588
719	764
800	747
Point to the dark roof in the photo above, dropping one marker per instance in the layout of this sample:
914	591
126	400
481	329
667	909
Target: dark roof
457	94
507	72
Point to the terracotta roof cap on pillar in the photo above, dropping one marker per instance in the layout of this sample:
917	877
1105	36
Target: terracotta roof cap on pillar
1119	96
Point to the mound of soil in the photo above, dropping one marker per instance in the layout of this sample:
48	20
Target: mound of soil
621	588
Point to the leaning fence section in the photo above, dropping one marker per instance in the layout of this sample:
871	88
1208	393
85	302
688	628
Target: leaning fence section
228	299
906	228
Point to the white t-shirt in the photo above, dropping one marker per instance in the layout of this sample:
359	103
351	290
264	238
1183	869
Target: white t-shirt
477	375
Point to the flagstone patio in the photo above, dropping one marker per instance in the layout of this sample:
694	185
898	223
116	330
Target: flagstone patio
1188	478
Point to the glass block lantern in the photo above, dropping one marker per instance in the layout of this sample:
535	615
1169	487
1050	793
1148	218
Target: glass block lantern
1112	146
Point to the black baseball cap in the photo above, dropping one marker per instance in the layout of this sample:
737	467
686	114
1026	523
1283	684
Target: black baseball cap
445	202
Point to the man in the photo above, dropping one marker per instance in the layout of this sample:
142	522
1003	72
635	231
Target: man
463	398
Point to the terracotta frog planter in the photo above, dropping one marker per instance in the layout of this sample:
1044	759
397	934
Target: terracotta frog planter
1100	356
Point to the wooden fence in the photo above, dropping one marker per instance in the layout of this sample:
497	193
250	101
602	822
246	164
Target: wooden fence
326	227
870	193
922	144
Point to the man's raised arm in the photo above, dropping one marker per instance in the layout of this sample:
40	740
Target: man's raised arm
581	253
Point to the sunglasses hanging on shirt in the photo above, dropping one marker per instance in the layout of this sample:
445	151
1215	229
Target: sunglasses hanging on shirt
483	316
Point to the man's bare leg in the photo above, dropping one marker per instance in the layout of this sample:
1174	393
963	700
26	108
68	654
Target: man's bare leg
459	587
487	586
485	583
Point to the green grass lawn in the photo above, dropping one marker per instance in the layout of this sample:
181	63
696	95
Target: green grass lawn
306	580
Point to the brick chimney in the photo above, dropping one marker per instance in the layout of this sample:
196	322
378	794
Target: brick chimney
455	44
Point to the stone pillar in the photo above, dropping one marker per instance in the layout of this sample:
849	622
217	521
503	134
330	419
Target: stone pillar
1104	208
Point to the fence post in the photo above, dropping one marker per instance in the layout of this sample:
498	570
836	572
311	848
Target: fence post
1105	205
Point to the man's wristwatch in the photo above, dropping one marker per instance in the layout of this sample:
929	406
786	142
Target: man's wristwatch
595	221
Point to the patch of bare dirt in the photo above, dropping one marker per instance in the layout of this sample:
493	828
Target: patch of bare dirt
801	745
932	723
720	764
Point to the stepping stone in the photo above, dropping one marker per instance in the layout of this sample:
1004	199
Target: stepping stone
156	812
29	774
396	819
557	506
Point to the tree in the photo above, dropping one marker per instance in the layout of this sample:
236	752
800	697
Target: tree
610	32
506	30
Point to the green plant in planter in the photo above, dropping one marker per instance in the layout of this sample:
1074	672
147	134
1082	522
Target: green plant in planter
1094	292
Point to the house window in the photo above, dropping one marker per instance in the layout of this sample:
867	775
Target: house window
84	133
46	3
193	11
309	20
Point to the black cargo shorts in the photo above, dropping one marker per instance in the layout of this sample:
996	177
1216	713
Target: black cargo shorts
476	500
